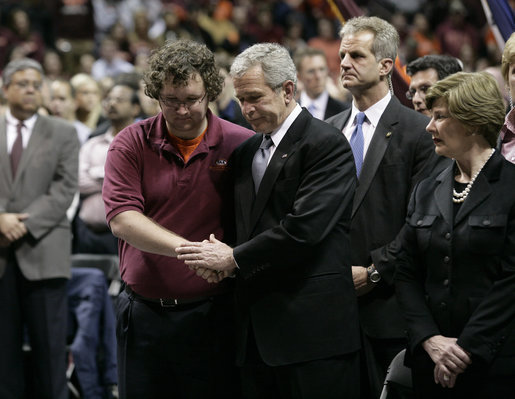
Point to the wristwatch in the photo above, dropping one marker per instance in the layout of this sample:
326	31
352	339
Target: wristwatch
373	274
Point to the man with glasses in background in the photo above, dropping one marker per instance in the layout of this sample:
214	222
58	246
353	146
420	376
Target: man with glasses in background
426	71
38	179
167	180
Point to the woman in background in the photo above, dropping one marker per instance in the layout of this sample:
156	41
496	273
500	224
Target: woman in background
507	136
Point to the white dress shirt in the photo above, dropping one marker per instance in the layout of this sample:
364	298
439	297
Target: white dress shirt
278	134
12	129
373	114
319	104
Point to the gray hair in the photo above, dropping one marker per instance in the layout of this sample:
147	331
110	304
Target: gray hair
20	65
275	61
386	39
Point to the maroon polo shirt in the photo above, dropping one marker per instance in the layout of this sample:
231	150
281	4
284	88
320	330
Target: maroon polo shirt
145	173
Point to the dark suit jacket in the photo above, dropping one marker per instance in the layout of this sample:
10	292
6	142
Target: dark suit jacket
400	154
44	187
458	278
294	285
334	106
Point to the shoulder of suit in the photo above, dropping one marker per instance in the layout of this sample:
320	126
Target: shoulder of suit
232	128
57	122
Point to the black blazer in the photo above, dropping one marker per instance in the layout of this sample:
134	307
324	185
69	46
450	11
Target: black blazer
400	154
334	106
294	285
458	276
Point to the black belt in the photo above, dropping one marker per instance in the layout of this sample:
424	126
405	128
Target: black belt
166	302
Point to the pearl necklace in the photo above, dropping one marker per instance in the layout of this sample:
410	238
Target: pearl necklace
458	198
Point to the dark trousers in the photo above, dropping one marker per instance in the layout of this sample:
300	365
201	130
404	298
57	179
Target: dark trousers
335	377
41	308
180	352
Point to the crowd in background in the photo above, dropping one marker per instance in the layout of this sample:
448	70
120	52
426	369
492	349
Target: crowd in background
103	38
94	54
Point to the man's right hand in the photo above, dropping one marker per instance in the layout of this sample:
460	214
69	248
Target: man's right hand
12	226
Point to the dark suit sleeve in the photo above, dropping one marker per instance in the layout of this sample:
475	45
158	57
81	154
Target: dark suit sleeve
425	162
409	284
321	196
49	210
493	319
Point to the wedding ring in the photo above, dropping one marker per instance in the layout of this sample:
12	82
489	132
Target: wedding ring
446	377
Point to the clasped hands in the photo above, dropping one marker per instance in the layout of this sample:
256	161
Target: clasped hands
12	227
210	259
449	358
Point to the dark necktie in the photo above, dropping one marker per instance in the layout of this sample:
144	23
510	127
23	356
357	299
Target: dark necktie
357	142
17	149
260	161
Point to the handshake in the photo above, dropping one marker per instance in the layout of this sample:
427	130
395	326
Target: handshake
210	259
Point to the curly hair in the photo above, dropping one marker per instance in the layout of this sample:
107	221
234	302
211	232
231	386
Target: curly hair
175	63
472	98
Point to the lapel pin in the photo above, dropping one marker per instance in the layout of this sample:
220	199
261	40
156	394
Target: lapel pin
284	155
388	134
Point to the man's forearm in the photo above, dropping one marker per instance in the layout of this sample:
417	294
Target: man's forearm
145	234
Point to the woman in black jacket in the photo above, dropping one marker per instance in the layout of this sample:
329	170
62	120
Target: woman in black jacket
456	278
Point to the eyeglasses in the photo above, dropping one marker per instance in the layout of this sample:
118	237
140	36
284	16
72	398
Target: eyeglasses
176	103
411	93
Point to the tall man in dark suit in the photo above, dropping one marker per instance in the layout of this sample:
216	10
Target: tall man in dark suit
38	179
297	328
392	152
313	73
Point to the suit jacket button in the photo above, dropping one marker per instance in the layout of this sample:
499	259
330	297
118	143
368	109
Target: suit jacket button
446	259
443	305
446	282
447	236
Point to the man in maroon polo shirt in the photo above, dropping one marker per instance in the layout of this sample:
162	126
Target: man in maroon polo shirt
167	182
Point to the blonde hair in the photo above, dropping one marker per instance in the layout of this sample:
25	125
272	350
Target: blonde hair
473	99
508	57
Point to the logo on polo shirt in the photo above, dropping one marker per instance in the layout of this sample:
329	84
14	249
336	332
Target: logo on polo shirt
220	164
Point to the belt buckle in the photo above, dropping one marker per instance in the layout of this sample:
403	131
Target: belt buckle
168	303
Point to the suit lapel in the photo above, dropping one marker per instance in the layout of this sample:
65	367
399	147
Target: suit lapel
246	194
4	156
340	120
281	155
376	149
443	194
37	140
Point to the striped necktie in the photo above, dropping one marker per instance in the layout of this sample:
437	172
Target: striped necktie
357	142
